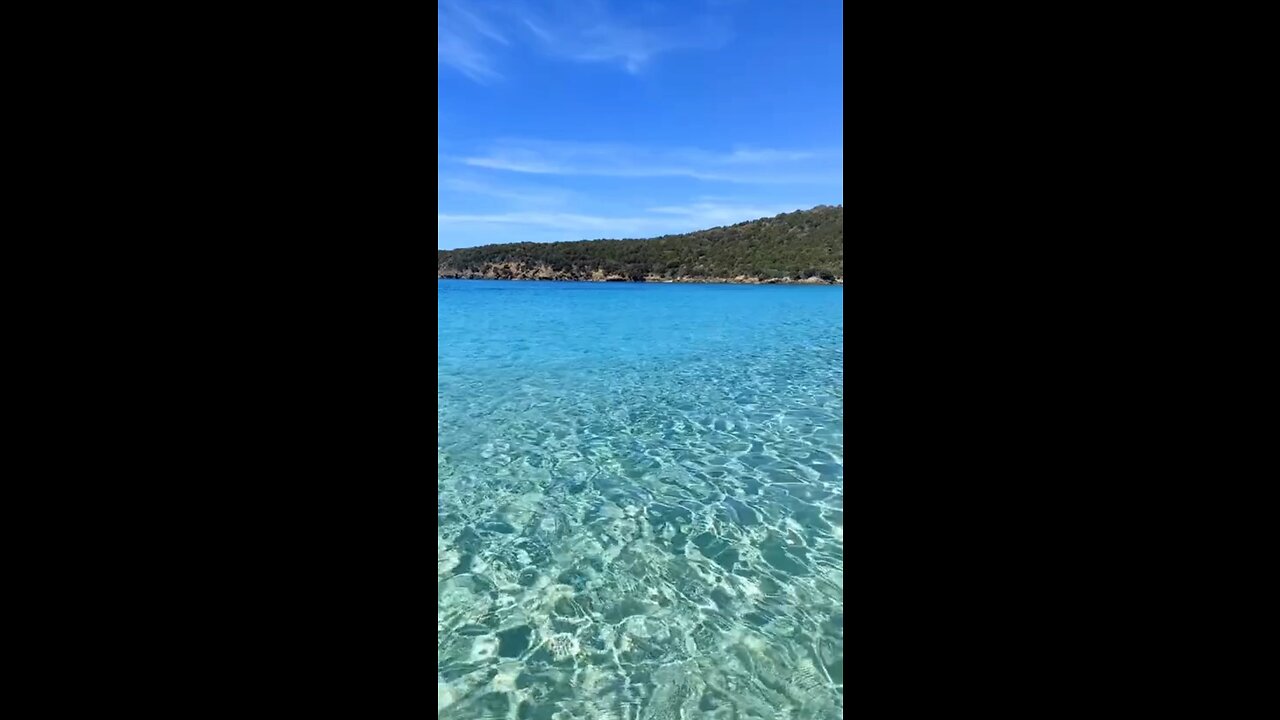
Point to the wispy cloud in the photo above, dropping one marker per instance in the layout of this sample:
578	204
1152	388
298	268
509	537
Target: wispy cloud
744	165
576	226
711	214
589	31
477	208
540	197
464	39
631	37
556	220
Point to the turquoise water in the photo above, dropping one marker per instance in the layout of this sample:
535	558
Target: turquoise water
640	501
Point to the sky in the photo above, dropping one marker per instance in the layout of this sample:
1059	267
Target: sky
588	119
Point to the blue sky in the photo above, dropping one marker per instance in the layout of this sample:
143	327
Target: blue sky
589	119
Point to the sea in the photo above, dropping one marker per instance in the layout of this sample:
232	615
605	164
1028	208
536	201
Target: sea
640	500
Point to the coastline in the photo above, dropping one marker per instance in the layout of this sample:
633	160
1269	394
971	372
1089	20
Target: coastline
651	279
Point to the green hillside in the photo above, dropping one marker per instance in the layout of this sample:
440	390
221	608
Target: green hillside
806	244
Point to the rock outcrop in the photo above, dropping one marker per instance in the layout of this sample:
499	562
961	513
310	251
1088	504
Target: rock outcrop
519	271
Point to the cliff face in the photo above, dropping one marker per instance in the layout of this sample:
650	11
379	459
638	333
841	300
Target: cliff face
801	247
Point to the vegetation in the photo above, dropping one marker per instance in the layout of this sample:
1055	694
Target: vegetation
799	245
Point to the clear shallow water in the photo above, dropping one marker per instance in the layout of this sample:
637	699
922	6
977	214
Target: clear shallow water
640	501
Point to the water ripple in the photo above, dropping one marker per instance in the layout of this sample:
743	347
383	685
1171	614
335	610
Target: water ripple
640	501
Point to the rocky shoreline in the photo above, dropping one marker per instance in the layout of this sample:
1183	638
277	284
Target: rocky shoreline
514	272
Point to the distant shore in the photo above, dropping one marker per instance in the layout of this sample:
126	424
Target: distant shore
653	279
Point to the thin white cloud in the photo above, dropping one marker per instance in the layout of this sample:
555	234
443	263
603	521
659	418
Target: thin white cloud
759	166
748	157
463	39
476	23
595	36
512	226
554	220
542	34
711	214
586	31
541	197
626	36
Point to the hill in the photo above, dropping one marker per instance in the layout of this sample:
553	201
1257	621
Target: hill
802	246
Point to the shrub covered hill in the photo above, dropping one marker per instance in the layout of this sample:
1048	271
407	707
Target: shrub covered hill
803	246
